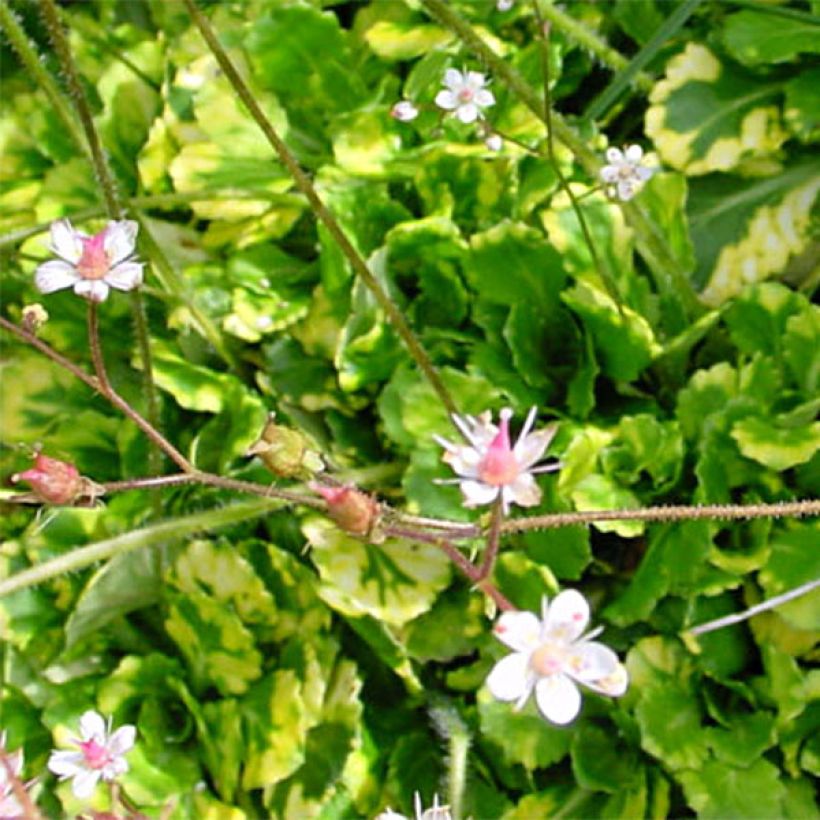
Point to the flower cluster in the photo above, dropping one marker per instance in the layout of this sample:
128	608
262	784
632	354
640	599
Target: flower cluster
551	656
624	174
91	265
489	467
101	755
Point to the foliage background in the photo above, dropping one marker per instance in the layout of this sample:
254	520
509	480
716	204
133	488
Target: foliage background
268	679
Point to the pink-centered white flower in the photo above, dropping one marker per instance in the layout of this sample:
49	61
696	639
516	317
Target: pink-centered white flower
101	754
624	173
490	467
435	812
91	264
10	806
464	94
552	656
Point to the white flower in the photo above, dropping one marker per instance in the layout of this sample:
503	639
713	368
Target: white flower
465	94
404	111
489	467
494	142
551	655
624	174
435	812
91	264
504	5
101	754
9	804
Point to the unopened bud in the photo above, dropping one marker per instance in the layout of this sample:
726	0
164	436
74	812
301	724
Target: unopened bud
33	317
494	142
285	452
404	111
354	511
53	481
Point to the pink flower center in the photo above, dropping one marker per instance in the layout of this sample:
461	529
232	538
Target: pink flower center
548	659
499	466
94	262
466	94
96	755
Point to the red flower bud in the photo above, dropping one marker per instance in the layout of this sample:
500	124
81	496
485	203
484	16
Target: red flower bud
53	481
351	509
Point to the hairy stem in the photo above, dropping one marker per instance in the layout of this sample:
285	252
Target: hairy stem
738	617
493	540
323	214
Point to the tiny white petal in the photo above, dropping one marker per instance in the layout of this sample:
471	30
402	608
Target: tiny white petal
520	631
567	616
66	242
85	782
510	679
494	142
644	173
55	275
453	79
467	113
609	173
447	100
475	79
120	239
591	661
65	763
125	276
475	493
531	448
92	726
614	156
633	154
484	98
626	190
558	699
122	740
94	289
523	491
613	685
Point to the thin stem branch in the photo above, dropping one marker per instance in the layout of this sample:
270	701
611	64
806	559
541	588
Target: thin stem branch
738	617
493	540
322	212
96	351
149	483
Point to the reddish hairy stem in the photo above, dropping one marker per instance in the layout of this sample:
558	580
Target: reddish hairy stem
493	540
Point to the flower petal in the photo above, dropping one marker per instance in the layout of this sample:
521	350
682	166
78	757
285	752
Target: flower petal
467	113
113	769
66	764
94	289
609	173
92	726
633	154
475	493
567	616
122	740
523	491
531	448
120	240
453	79
510	678
484	98
614	156
613	685
55	275
125	276
626	190
558	699
643	173
520	631
446	100
85	782
65	241
590	661
475	79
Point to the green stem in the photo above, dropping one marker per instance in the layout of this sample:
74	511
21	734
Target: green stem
174	530
323	214
577	31
105	176
31	60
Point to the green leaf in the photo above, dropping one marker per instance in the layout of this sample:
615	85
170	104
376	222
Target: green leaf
803	104
755	37
710	116
718	790
757	318
393	582
600	762
745	740
399	40
599	492
777	448
565	551
522	736
801	349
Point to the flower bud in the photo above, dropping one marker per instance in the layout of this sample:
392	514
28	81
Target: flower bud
354	511
285	452
494	142
53	481
404	111
34	317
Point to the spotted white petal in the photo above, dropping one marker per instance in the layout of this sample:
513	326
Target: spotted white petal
65	241
55	275
567	616
521	631
614	156
609	173
644	173
626	190
558	699
447	100
591	661
510	678
94	289
614	684
125	276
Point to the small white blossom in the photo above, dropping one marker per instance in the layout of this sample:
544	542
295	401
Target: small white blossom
91	264
435	812
551	656
494	142
464	94
9	804
504	5
490	467
624	173
404	111
101	754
